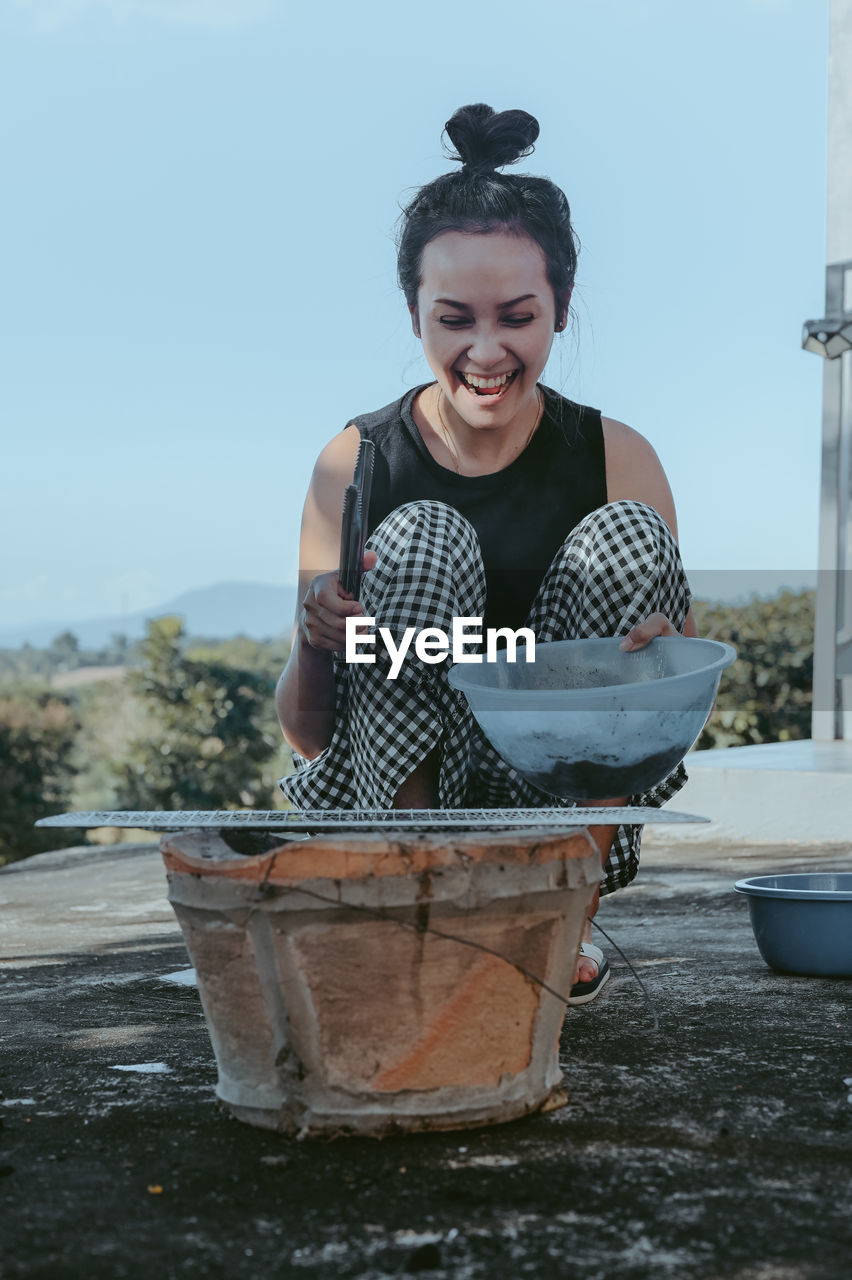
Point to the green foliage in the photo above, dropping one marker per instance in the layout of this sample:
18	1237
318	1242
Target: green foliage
64	654
64	651
37	731
766	696
266	657
111	717
24	666
210	735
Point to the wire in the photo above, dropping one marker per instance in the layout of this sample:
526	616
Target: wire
378	914
649	1002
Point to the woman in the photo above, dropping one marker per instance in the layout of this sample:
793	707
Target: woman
493	497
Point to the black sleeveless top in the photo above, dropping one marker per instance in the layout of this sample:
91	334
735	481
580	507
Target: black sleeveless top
521	514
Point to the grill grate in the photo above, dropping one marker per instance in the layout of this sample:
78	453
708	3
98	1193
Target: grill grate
306	821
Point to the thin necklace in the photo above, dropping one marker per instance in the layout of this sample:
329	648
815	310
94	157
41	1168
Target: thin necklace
448	438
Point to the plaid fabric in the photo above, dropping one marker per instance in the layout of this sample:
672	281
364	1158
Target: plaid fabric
617	566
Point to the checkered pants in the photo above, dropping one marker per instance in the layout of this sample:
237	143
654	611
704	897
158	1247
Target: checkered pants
617	566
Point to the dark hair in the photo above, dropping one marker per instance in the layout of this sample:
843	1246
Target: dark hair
477	198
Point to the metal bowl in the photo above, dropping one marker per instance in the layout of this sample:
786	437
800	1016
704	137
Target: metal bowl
803	923
589	720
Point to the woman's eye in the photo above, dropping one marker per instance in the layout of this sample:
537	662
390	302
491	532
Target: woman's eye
461	322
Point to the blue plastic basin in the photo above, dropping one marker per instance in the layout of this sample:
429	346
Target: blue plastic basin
803	923
587	719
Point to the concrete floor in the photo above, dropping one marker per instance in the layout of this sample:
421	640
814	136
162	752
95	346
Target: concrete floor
718	1145
773	792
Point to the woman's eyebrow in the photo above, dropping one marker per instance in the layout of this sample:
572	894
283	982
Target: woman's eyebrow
523	298
501	306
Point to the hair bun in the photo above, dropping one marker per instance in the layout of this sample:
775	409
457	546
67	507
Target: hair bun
486	140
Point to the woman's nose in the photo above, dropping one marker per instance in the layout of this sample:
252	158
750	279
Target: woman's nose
486	349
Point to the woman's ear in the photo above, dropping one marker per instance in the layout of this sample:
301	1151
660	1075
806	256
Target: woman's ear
562	305
415	320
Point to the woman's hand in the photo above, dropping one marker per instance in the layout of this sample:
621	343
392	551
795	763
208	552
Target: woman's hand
655	625
325	608
305	696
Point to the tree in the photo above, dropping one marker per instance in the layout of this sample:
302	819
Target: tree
766	696
209	736
37	731
65	651
117	652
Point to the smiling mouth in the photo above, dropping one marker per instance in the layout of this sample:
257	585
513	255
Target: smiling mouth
487	386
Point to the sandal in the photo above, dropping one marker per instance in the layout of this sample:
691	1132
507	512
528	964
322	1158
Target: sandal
583	992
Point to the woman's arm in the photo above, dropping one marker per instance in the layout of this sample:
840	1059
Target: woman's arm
305	693
633	471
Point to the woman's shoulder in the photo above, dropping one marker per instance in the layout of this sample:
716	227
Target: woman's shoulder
622	438
634	471
627	448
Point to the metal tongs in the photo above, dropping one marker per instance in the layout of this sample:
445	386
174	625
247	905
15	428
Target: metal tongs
356	505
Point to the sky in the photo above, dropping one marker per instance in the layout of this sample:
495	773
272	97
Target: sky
198	287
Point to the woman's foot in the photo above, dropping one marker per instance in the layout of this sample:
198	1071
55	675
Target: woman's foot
593	971
586	968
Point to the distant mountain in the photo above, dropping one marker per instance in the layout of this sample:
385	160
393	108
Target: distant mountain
228	609
262	611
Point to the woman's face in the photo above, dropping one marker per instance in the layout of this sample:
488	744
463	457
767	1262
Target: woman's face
486	313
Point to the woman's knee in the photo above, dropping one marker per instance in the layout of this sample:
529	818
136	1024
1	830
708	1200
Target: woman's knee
623	541
618	565
428	561
427	524
626	524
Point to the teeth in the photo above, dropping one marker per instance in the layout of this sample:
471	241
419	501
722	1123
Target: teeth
486	383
